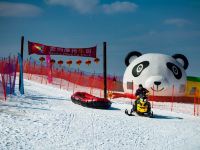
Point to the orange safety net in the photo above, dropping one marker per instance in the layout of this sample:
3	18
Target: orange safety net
8	68
76	80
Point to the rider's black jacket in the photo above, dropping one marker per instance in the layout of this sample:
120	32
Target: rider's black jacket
141	92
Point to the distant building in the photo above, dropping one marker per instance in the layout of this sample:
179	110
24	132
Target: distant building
193	86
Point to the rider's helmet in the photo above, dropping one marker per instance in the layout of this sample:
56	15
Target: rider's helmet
140	86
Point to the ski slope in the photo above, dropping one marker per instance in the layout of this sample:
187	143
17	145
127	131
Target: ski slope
46	119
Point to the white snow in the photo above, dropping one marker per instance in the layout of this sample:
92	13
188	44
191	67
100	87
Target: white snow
46	119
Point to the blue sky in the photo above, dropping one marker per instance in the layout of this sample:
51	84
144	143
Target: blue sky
161	26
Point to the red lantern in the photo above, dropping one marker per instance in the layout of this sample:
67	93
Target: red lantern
42	59
88	62
52	61
60	62
69	62
78	62
96	60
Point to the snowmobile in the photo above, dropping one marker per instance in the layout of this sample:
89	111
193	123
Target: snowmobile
142	107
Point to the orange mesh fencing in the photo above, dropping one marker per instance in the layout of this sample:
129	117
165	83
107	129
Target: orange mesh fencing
8	68
76	80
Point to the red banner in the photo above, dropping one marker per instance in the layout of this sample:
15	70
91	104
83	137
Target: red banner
41	49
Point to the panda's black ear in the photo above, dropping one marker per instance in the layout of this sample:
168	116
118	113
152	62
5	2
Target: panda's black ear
182	60
131	56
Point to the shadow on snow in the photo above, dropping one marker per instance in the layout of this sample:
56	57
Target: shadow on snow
23	107
43	98
156	116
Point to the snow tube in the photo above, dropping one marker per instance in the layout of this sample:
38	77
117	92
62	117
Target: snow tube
87	100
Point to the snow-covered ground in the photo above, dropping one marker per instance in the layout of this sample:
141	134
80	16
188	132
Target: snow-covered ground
45	118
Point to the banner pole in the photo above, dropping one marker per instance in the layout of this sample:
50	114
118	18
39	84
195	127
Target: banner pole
21	72
105	69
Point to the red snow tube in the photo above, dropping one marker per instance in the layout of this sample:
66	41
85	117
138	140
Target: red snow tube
87	100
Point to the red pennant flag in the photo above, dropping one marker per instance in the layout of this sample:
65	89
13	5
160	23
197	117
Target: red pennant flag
37	48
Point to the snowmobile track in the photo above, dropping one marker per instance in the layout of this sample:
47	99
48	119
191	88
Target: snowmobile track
56	123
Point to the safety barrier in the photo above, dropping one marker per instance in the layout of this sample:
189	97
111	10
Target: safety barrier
76	80
8	68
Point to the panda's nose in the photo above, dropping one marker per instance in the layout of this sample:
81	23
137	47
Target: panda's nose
157	83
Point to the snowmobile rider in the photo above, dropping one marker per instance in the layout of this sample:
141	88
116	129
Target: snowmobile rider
141	92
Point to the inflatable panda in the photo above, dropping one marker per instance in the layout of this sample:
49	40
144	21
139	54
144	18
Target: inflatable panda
160	74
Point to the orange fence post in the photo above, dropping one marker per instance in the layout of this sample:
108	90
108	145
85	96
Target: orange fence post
4	87
33	69
100	93
74	84
194	106
41	72
172	99
132	92
196	103
61	78
81	79
69	80
73	87
198	106
114	84
29	66
78	79
100	88
91	84
153	98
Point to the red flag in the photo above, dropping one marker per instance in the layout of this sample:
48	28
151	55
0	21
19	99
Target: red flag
37	48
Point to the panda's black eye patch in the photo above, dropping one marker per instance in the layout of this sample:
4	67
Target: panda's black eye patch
175	70
137	69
